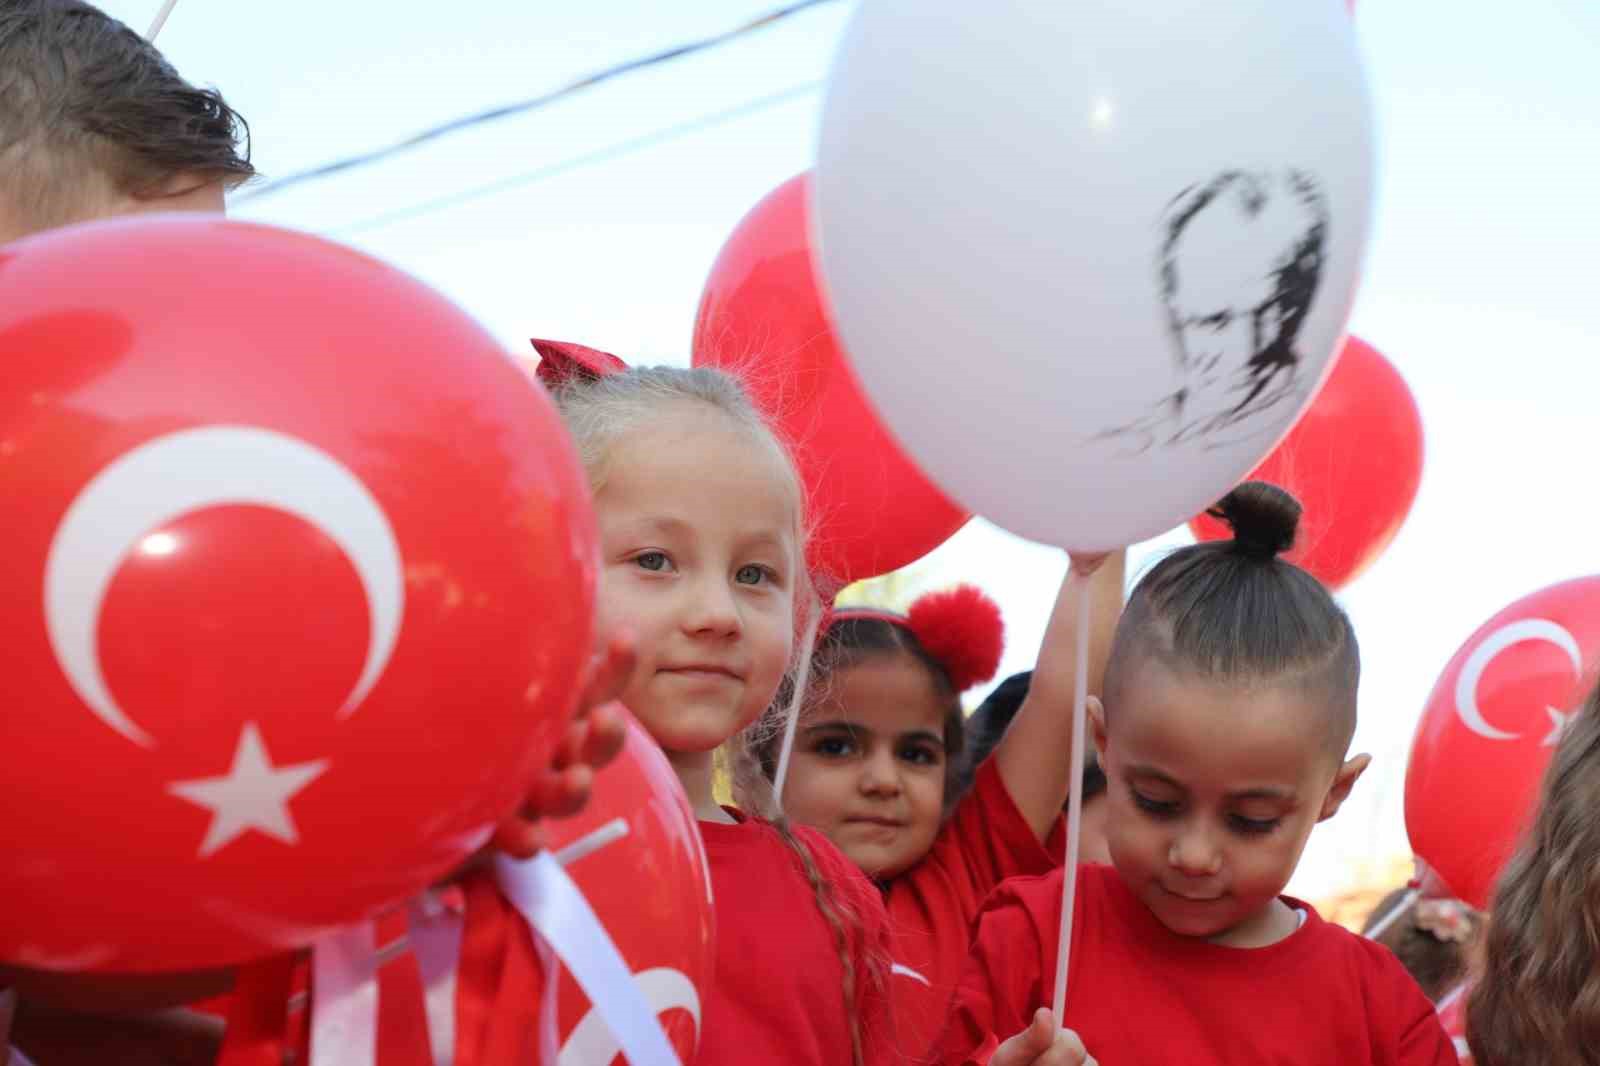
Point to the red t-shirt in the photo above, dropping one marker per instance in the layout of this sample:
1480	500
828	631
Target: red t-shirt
933	905
1139	994
777	996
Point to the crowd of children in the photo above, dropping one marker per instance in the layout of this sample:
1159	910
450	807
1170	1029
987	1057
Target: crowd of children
893	895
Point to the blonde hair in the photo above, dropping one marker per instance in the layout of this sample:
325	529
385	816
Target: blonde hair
1537	993
599	411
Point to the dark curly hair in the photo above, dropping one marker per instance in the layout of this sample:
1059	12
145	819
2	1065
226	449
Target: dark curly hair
88	105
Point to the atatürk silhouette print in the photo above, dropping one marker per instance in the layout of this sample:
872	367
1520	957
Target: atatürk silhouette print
1238	268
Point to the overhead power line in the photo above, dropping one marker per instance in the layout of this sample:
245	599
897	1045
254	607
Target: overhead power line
433	133
599	155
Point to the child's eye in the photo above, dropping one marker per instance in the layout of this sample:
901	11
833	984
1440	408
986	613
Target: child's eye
1156	808
654	561
920	755
1252	826
834	747
752	574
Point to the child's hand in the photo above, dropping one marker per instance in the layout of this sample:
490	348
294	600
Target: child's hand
1043	1043
593	739
1086	563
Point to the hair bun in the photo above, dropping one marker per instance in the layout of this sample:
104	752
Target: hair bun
962	629
1263	517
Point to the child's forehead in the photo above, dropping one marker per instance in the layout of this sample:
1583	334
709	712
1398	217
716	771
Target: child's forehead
1249	728
887	693
698	476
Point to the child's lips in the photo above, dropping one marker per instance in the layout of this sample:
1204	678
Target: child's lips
703	671
1193	897
877	820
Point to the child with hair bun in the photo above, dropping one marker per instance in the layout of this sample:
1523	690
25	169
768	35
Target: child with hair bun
1224	730
877	767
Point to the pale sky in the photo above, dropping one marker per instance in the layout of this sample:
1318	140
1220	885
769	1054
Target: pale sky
1478	282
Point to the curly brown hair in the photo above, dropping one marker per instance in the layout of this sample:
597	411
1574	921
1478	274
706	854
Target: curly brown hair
89	108
1537	994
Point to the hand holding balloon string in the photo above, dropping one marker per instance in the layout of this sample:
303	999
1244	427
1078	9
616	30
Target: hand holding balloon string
1043	1043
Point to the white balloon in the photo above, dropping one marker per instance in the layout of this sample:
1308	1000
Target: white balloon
1091	260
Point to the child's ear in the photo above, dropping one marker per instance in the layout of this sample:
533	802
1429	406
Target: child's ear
1343	782
1097	727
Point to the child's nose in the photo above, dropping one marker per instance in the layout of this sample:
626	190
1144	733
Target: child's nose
879	775
712	609
1194	854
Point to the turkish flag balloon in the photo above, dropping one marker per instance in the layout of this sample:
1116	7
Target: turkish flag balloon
1486	736
762	317
296	593
1354	459
638	832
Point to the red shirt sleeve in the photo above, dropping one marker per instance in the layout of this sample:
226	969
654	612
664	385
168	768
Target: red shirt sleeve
1422	1039
988	840
1410	1020
1002	982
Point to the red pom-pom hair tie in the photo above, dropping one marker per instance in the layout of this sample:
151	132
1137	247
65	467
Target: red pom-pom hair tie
963	630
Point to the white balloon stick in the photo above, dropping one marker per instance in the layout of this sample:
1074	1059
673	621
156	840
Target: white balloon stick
1394	913
1069	882
161	20
791	722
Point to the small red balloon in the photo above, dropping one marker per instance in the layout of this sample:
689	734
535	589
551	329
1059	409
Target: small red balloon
762	317
1354	460
296	593
1491	723
636	853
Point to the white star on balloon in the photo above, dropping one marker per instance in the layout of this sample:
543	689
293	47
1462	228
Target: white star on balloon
1558	724
253	794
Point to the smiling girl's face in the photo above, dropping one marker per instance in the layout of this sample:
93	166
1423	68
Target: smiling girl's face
869	764
700	560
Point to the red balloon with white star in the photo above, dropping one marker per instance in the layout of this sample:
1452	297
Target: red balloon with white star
1491	723
296	593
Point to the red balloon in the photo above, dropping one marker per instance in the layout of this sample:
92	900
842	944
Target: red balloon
636	853
296	592
1354	459
1493	718
762	317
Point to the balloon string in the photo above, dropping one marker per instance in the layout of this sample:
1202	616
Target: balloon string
344	997
160	20
1394	913
1069	881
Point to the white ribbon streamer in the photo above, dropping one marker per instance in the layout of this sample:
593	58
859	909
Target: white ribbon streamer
344	997
555	909
435	935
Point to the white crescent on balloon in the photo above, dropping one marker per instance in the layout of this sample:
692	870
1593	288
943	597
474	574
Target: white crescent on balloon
180	473
1526	629
591	1042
